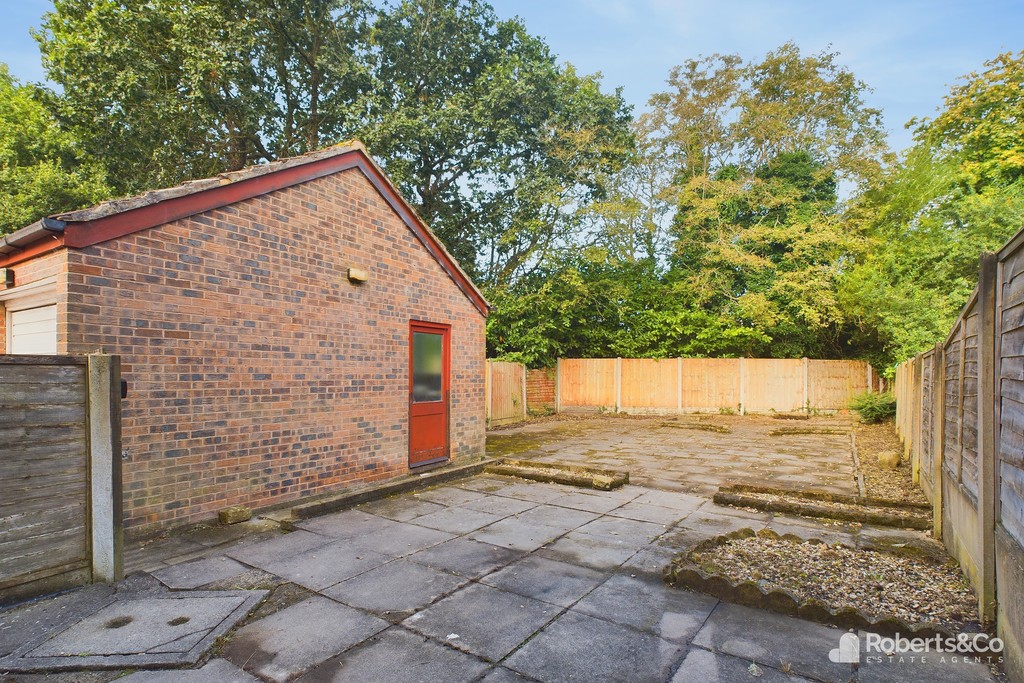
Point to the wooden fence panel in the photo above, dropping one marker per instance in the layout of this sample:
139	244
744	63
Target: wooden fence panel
506	392
711	384
831	383
44	493
924	423
587	383
773	384
969	418
1010	399
953	362
649	383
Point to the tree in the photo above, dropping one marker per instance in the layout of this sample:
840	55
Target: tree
959	191
759	150
170	90
43	169
495	144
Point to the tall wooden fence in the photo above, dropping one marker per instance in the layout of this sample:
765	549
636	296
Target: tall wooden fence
960	414
505	386
679	385
59	473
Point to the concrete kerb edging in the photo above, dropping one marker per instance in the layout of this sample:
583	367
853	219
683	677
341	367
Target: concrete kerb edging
904	514
343	501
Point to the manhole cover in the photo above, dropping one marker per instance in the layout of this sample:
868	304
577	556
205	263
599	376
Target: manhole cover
138	632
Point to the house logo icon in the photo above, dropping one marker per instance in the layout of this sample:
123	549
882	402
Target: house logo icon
848	651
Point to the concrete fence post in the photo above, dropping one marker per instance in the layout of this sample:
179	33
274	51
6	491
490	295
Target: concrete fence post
938	439
106	516
987	434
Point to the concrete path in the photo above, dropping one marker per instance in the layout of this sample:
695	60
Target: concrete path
695	453
499	580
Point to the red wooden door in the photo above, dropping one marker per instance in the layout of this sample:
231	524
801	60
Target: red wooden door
429	377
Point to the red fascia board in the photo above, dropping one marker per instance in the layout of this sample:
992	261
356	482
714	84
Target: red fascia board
53	242
87	233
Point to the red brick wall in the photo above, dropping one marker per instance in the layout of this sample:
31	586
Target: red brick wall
540	389
258	373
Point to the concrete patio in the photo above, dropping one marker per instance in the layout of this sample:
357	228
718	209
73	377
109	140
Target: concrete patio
487	579
694	453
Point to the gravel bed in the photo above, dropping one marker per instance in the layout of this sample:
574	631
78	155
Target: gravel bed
896	484
913	589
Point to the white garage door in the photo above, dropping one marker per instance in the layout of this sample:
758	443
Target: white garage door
34	331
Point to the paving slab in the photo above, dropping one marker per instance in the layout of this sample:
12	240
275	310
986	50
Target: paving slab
283	645
590	551
631	532
770	639
485	483
517	534
499	505
214	671
556	517
535	492
274	549
457	520
591	502
646	512
649	606
396	589
198	573
399	539
398	656
547	580
580	648
346	524
148	630
720	521
466	557
650	562
483	621
400	508
30	621
710	667
933	668
324	565
449	495
500	674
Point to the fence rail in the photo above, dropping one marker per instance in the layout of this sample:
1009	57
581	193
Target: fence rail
960	414
678	385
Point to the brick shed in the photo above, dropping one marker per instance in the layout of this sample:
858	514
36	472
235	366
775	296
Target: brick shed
285	330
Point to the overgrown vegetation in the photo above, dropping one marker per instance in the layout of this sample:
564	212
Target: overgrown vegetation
874	407
752	209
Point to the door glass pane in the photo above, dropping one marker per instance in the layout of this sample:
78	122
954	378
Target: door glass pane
426	367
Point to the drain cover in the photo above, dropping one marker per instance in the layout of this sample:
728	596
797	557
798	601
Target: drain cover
138	632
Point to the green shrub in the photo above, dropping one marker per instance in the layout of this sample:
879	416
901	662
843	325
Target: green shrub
874	407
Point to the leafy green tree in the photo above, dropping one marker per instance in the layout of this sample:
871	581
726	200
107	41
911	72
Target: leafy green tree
959	191
43	169
759	149
494	142
169	90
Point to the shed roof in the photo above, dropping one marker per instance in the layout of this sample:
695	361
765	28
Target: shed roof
112	219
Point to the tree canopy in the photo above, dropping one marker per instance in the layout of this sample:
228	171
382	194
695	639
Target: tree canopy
752	209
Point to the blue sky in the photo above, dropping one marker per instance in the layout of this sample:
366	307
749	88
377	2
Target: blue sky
909	52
